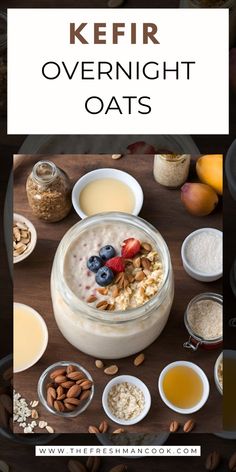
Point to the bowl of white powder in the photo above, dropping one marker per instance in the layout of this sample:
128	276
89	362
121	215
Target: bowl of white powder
202	254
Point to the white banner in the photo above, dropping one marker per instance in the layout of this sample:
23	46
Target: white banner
118	451
118	71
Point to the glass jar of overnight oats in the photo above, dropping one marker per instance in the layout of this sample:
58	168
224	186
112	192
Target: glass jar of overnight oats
136	317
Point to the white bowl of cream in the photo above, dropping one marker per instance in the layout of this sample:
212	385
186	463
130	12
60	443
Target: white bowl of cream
103	190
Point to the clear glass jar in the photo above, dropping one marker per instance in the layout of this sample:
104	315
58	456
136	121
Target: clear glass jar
116	334
49	192
195	341
171	170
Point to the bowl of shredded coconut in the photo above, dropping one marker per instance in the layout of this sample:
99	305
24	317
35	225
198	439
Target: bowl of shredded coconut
202	254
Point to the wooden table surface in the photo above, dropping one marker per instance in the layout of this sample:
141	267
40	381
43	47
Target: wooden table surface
162	208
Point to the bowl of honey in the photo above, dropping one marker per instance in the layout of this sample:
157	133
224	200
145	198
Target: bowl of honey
183	387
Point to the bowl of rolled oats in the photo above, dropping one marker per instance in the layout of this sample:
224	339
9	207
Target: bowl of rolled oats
24	238
126	400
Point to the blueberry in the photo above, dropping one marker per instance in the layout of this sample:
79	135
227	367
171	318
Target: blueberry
94	263
104	276
107	252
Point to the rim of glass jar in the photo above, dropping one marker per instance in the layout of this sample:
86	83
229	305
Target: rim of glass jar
43	180
3	37
41	395
173	157
202	296
133	313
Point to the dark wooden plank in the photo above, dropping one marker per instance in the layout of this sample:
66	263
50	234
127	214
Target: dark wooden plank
162	207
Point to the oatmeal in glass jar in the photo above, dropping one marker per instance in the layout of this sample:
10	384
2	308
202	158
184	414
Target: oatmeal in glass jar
112	285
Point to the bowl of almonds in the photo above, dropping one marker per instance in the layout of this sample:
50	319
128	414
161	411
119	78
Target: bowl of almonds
24	238
66	389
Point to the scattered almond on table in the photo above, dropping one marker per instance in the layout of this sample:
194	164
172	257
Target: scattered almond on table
212	461
188	426
139	359
174	426
111	370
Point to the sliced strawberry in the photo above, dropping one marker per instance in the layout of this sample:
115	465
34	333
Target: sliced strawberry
130	248
116	264
140	147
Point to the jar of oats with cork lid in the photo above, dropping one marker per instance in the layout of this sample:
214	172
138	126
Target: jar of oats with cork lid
171	170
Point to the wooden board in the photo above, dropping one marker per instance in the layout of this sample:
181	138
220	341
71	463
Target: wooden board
163	208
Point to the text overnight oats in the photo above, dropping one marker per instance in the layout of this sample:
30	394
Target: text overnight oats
112	285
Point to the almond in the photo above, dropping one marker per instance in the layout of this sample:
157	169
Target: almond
72	401
57	372
91	299
232	462
111	370
86	385
51	396
69	406
174	426
4	467
74	391
67	384
61	397
213	461
93	464
93	429
146	246
102	290
146	264
34	414
118	431
119	468
85	394
116	156
71	368
49	429
60	379
99	364
111	307
140	276
60	391
188	426
76	466
130	278
79	382
139	359
75	375
58	406
103	427
114	291
102	305
137	262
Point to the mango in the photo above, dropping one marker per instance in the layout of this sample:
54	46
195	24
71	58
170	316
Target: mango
210	171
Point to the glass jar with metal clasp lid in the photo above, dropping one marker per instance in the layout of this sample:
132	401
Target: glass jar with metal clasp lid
195	340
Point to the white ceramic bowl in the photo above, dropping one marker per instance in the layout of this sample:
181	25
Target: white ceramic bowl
107	174
138	383
32	243
45	333
202	375
202	276
218	360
